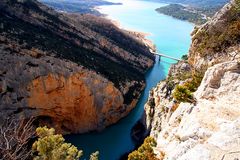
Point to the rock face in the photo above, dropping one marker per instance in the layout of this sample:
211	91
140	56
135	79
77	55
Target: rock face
209	127
207	130
68	97
76	73
218	40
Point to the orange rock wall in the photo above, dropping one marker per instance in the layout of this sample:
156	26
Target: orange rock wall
78	103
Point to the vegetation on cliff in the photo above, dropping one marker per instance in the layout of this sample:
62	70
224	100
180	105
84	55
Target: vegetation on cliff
220	36
184	92
145	151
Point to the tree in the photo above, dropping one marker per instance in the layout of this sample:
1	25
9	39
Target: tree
94	156
145	151
53	147
182	94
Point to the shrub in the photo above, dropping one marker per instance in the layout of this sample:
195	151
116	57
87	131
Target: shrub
145	151
182	94
51	146
185	57
15	135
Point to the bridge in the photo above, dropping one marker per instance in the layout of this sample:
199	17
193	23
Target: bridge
166	56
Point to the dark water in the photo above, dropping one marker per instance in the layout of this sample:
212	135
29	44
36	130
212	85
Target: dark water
172	37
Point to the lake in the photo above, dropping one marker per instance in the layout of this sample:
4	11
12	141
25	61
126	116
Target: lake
171	37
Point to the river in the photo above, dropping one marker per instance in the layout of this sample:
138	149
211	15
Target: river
171	37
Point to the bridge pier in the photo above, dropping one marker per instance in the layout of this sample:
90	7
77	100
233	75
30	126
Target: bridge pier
159	58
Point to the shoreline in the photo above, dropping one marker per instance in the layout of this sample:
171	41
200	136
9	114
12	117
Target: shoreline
141	36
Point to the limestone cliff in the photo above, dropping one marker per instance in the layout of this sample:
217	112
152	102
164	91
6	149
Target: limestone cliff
208	129
76	73
217	40
200	121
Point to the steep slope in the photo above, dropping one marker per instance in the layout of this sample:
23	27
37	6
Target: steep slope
200	121
206	130
77	6
217	40
74	72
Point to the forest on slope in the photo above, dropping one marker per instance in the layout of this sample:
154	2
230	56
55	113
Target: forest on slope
77	6
197	12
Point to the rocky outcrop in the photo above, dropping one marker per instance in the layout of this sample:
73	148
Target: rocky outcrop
76	73
67	96
206	130
218	40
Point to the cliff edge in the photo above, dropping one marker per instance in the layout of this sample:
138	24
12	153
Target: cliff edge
194	113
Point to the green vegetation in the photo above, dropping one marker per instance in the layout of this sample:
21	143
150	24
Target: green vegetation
184	93
51	146
145	151
183	13
184	57
219	37
198	3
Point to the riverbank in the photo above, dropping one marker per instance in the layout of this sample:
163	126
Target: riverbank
141	36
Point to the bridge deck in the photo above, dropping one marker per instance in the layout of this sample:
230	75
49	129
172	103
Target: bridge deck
163	55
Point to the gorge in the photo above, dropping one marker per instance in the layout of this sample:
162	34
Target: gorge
92	79
140	16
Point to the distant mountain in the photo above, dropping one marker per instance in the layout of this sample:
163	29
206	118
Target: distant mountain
194	11
183	13
76	6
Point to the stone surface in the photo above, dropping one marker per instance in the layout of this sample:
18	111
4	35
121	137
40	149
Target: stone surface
60	93
207	130
217	23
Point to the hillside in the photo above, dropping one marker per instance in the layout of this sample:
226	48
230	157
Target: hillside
183	13
194	113
76	73
197	3
77	6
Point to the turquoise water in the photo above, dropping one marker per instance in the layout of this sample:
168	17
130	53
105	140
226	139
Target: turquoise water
172	37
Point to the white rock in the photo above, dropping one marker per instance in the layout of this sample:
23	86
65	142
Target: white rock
209	130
